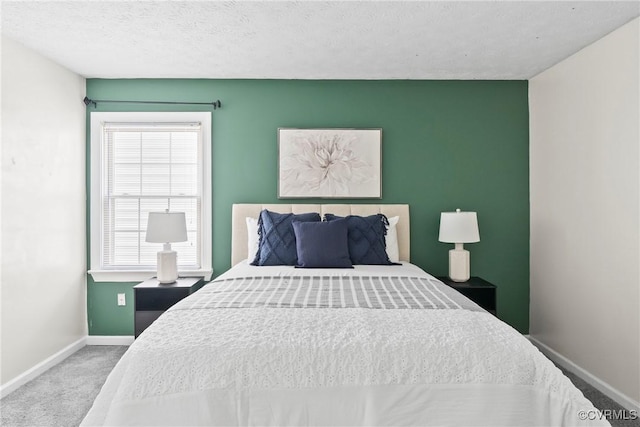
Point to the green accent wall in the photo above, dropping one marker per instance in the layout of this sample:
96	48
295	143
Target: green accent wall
445	145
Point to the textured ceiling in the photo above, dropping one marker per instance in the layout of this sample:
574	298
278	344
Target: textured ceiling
311	40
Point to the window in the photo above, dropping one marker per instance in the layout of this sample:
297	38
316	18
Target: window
141	163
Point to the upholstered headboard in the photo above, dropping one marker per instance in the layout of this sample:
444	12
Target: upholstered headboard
242	211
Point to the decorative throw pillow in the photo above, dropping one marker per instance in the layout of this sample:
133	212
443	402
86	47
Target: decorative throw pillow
322	244
391	240
277	239
366	238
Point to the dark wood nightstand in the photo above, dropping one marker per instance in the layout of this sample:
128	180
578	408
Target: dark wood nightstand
151	298
477	290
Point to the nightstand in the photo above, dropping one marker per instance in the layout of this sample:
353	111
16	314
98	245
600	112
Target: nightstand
151	298
477	290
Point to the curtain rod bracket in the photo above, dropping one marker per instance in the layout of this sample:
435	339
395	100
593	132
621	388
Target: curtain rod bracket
87	101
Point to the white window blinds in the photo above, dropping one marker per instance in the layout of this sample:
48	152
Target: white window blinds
150	167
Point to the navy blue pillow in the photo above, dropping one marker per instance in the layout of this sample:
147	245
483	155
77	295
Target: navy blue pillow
366	238
322	244
277	241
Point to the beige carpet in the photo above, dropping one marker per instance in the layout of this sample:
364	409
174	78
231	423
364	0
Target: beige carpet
62	395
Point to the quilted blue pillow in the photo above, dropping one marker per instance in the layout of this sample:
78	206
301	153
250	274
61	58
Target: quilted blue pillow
366	238
277	240
322	244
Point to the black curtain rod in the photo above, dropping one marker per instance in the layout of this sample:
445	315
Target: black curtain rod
216	104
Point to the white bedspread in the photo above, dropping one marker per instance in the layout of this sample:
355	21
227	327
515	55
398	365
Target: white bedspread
334	366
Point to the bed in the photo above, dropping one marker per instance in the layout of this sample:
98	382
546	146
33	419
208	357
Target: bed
368	345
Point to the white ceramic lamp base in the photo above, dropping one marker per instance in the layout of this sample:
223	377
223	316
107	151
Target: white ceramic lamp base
459	270
167	266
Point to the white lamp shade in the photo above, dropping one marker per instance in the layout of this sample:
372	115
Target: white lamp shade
459	227
166	227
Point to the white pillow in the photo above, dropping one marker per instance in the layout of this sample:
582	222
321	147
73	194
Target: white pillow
253	238
391	240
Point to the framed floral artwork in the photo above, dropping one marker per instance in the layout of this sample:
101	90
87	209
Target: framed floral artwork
329	163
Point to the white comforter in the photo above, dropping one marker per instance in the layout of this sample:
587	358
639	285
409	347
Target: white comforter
351	366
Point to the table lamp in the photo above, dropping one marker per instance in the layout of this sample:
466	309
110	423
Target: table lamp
459	228
167	227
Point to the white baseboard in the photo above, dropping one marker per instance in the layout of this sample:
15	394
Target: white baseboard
41	367
110	339
605	388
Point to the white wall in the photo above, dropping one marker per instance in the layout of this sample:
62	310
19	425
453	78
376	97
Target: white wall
585	216
43	209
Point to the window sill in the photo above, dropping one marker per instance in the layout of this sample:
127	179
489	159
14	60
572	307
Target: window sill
141	275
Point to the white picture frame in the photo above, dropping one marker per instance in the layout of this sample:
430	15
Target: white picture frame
329	163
